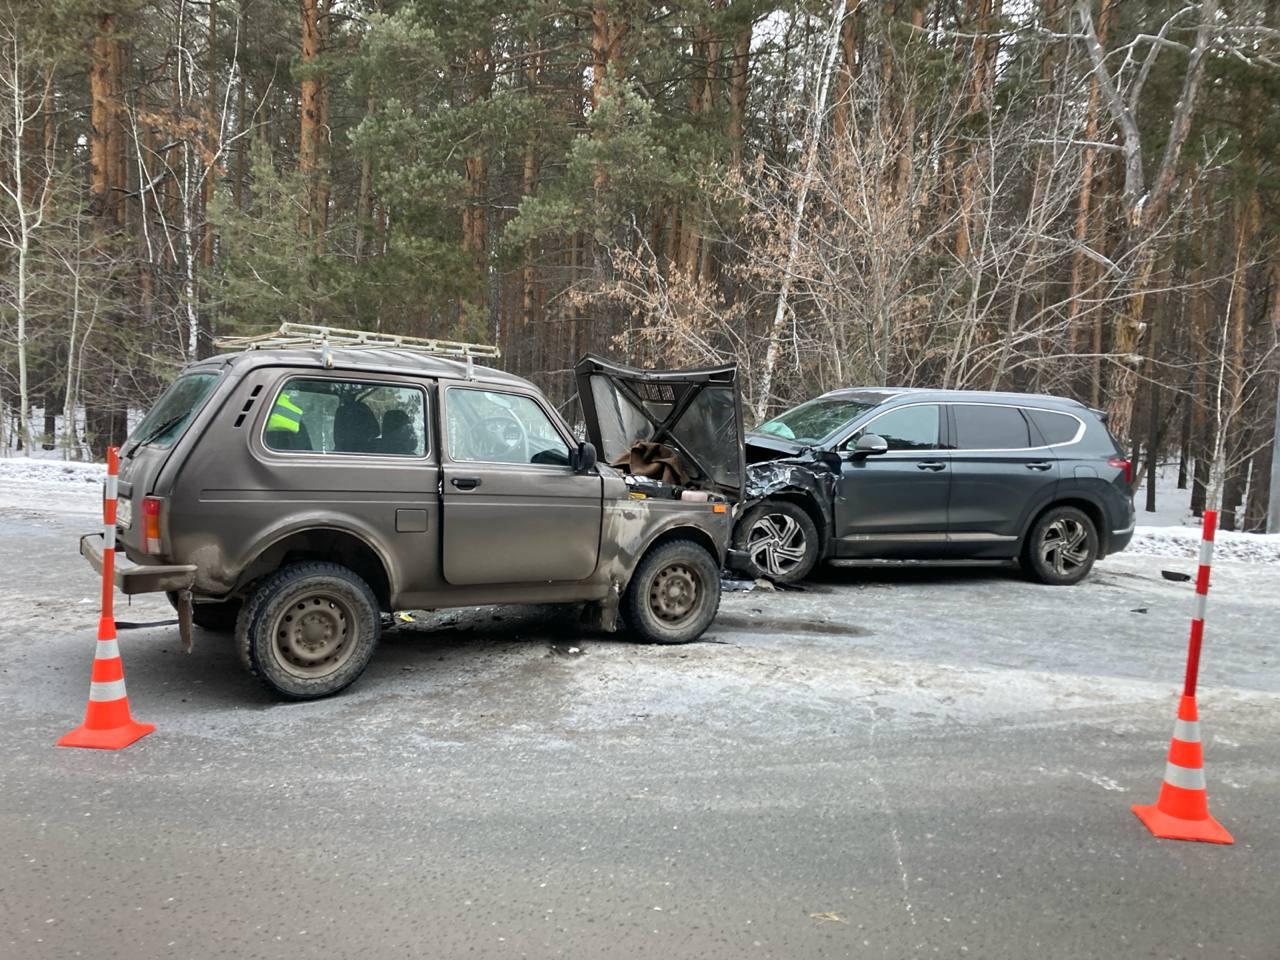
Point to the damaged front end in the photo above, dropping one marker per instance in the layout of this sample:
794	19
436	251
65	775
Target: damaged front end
673	433
808	473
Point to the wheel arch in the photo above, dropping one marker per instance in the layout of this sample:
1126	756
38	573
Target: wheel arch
325	543
696	534
1090	508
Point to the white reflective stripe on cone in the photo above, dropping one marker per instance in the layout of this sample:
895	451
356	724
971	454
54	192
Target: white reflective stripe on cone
106	692
1197	609
109	650
112	487
1188	778
1187	731
1206	552
108	536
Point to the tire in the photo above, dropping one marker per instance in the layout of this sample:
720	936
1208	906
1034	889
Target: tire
308	630
779	539
216	617
674	593
1061	547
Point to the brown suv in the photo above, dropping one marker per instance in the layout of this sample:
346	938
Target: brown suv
298	494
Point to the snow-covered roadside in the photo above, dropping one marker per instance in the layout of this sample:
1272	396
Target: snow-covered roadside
51	486
1185	542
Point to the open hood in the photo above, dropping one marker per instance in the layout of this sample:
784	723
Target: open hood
696	412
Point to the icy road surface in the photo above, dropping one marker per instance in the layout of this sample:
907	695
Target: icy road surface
894	763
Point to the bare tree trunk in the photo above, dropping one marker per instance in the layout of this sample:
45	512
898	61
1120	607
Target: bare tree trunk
774	345
738	94
313	150
1144	205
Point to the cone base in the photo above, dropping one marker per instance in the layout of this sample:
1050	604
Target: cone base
115	738
1169	827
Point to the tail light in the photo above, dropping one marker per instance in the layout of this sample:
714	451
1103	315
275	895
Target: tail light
1125	464
151	525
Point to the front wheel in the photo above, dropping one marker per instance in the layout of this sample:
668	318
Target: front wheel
779	539
309	630
1061	547
674	593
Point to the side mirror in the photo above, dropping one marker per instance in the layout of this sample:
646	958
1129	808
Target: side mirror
584	458
869	445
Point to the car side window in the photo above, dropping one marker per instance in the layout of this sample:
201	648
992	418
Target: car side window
988	426
491	427
347	416
906	428
1054	427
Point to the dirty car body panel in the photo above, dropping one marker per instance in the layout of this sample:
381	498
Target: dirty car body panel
426	527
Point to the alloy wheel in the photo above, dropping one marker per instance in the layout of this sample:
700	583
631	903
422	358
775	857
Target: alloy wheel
1064	547
776	544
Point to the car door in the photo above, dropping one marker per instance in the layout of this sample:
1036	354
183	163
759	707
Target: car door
1001	472
514	509
895	503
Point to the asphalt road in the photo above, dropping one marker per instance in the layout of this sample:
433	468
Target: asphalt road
890	764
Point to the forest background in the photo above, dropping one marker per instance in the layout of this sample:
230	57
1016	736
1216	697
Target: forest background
1069	196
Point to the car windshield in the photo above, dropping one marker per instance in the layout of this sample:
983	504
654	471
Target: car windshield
811	421
175	408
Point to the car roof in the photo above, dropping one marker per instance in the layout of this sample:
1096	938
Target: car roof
917	394
365	360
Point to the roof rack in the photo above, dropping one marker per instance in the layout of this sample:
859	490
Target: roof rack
315	335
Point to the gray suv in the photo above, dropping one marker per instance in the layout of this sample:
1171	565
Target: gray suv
934	475
296	495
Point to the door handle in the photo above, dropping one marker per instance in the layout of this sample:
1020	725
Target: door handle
1038	465
465	483
934	465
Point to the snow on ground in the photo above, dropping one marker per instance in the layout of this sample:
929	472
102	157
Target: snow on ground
1172	530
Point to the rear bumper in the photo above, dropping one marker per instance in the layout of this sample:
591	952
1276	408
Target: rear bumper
131	578
1119	539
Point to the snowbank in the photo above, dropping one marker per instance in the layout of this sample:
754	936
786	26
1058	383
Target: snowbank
42	471
1185	542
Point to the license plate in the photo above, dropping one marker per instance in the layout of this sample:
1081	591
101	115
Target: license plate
124	512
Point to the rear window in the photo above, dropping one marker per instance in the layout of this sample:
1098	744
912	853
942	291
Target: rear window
1054	427
173	411
990	427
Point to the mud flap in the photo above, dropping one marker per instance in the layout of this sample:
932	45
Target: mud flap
603	614
185	631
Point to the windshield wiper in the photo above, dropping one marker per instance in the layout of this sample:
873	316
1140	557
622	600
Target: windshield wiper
162	428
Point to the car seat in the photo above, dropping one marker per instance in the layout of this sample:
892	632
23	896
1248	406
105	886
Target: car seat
355	428
398	435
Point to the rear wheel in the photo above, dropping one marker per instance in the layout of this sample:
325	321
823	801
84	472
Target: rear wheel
674	593
1061	547
309	630
779	539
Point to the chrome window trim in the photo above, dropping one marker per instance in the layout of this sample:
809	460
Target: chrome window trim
329	455
444	439
1081	426
901	406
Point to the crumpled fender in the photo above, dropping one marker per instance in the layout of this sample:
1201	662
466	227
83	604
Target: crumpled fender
807	474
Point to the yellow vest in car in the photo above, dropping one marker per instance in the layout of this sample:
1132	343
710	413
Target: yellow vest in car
286	415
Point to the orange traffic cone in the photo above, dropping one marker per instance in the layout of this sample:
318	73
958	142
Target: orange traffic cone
107	722
1182	811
